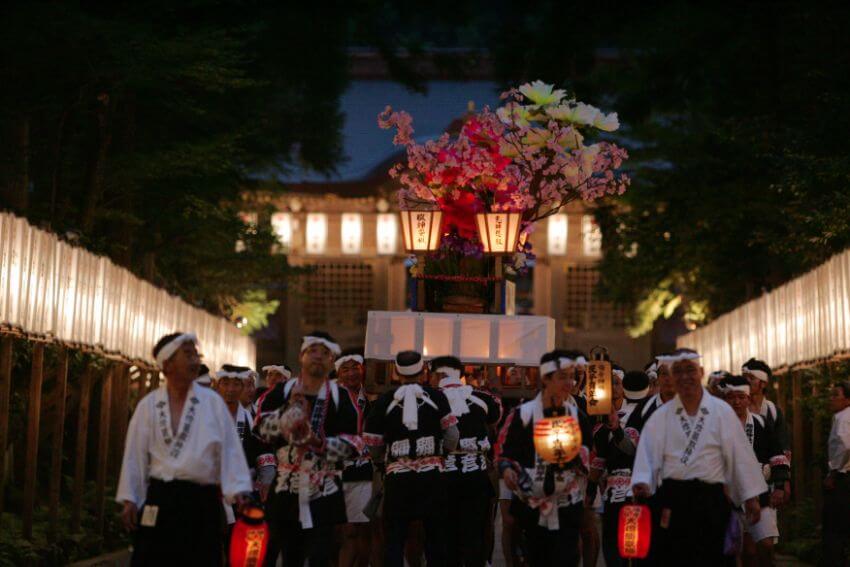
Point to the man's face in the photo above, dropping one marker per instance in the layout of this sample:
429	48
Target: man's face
317	360
230	389
559	383
837	401
739	401
666	384
184	363
273	377
687	375
351	374
579	375
756	385
617	392
249	388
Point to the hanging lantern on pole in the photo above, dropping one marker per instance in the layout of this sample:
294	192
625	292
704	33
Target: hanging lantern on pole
249	539
557	439
422	230
597	387
498	231
634	533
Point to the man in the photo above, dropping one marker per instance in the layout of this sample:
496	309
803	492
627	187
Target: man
690	451
665	384
836	487
760	537
415	427
467	483
276	373
759	375
204	378
548	499
230	384
249	394
357	476
716	381
651	371
615	443
313	423
182	452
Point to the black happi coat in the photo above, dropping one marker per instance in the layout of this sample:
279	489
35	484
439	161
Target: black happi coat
767	445
414	458
615	452
359	469
326	500
474	428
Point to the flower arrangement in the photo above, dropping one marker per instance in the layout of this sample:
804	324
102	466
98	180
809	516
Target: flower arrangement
528	156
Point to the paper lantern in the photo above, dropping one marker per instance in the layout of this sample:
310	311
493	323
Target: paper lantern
597	387
351	233
317	233
282	227
421	230
557	439
635	531
591	236
387	233
249	539
557	235
498	231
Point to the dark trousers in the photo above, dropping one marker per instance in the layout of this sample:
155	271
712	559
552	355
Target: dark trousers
409	497
698	518
836	522
550	548
468	513
189	526
298	545
610	526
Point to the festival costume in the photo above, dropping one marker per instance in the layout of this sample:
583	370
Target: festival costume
466	477
549	505
409	421
686	461
176	480
308	499
357	475
836	502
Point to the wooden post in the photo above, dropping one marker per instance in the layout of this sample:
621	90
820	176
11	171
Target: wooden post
58	436
80	453
797	441
103	448
420	284
33	411
120	405
5	389
500	307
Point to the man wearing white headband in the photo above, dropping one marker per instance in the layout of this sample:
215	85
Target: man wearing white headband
761	536
759	375
414	426
467	483
313	423
548	499
181	453
357	476
665	385
692	451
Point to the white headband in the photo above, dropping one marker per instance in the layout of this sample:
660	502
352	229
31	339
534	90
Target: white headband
652	371
411	370
244	375
310	340
669	359
741	388
555	365
581	361
760	374
169	348
618	373
347	358
277	368
636	394
204	379
449	372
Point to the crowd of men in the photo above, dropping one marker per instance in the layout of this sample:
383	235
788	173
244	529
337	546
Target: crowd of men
353	478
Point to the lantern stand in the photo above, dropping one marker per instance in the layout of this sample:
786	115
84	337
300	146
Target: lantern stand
420	284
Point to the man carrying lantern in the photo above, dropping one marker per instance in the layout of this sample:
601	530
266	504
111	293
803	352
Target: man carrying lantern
615	443
467	483
760	537
543	459
182	452
357	476
692	452
414	426
313	422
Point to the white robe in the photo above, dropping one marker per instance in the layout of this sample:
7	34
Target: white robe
205	450
722	453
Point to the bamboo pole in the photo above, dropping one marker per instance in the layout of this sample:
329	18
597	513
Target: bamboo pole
103	449
798	472
33	411
80	453
5	389
119	419
58	436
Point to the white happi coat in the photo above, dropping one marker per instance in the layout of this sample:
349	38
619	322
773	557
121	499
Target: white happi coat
711	447
205	450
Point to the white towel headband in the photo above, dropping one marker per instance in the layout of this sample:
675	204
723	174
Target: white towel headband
311	340
277	368
169	348
347	358
555	365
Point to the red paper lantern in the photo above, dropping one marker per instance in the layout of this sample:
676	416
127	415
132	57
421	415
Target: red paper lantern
249	539
635	531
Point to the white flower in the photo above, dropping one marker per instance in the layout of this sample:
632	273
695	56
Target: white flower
562	112
541	94
606	123
570	139
584	114
513	114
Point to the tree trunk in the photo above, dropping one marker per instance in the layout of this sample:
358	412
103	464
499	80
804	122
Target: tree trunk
15	193
97	164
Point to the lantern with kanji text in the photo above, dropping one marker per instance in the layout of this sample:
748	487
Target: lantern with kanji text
557	439
635	531
498	231
598	383
249	539
422	230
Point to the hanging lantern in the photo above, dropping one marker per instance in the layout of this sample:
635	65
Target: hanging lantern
249	539
635	531
597	387
498	231
557	439
421	230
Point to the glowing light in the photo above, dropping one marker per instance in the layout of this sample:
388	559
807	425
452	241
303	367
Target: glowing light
282	227
351	233
387	234
591	236
558	235
317	233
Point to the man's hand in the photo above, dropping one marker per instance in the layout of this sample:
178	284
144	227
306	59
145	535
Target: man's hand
777	498
242	500
752	510
130	516
510	478
613	419
641	490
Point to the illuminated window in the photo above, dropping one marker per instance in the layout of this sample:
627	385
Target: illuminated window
558	235
282	227
317	233
351	233
387	233
591	236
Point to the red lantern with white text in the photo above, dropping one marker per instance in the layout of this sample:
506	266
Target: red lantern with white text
635	531
249	539
557	439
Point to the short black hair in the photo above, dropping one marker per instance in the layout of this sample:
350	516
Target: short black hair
164	341
734	380
204	369
446	361
756	364
234	368
844	387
